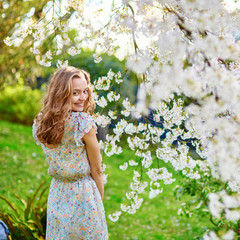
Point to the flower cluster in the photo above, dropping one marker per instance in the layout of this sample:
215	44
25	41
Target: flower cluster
222	203
191	79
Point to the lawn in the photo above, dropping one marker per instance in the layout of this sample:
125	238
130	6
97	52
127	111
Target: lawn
23	168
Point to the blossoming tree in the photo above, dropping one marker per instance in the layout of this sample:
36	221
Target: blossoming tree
185	54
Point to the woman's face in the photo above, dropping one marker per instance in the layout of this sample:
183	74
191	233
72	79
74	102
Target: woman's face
79	94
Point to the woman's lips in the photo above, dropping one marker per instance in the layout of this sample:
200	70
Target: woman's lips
79	104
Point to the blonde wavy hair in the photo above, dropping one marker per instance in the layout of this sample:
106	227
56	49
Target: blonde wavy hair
57	104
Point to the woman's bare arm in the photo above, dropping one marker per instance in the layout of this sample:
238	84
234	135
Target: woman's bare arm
94	157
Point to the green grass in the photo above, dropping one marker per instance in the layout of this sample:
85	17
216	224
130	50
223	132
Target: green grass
23	168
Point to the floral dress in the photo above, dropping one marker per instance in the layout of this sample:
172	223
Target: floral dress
75	209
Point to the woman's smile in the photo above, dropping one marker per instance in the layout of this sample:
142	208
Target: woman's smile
80	104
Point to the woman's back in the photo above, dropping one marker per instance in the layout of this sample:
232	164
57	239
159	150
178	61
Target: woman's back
68	161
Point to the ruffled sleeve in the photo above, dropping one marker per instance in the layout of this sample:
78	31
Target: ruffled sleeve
34	132
84	124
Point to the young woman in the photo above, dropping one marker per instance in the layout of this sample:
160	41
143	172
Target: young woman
67	133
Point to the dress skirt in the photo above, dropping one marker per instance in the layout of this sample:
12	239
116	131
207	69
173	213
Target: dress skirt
75	211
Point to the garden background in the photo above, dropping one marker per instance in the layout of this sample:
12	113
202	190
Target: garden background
180	209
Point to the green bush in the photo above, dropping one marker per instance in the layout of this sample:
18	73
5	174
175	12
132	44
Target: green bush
28	221
19	104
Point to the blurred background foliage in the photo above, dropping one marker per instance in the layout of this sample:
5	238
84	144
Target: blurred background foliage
23	81
21	102
16	62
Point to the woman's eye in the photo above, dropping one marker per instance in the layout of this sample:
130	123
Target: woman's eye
85	91
75	93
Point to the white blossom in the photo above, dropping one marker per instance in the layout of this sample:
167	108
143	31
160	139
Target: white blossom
38	36
114	216
103	83
102	102
130	129
95	96
112	96
97	58
154	192
130	195
34	50
232	215
61	64
120	127
45	63
139	63
102	120
210	236
135	204
229	235
105	179
147	159
49	54
8	41
215	206
112	114
124	166
110	74
132	163
74	51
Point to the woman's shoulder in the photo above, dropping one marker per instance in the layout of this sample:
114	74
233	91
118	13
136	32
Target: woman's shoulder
80	116
35	127
36	121
82	123
82	120
37	118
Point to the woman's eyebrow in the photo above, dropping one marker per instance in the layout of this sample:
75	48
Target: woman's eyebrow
77	89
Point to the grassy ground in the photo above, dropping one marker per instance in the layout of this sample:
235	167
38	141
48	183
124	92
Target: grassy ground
23	168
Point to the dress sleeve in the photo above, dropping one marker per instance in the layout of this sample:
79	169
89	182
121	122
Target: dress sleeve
84	124
34	132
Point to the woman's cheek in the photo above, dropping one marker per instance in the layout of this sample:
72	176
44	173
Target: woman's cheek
74	98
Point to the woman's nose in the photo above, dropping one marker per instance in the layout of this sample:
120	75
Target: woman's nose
82	97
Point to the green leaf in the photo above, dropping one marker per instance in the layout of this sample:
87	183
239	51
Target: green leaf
11	205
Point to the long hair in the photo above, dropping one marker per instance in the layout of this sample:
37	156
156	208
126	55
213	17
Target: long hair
57	104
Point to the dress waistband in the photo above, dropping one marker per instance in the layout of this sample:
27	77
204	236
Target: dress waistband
70	179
